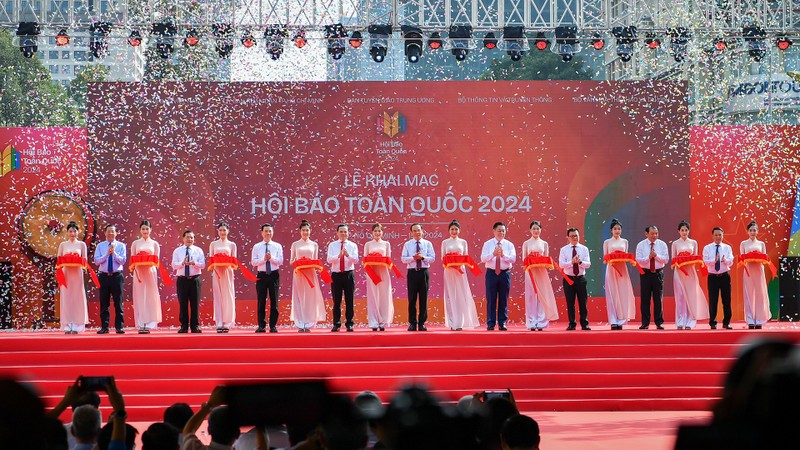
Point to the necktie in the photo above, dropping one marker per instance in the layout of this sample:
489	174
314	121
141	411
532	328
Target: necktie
341	259
717	264
497	262
268	268
652	258
575	268
419	261
186	268
111	261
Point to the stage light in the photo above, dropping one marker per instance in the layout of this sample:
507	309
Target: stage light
412	39
335	35
652	41
223	38
300	38
541	42
191	38
135	38
98	31
754	37
62	38
248	40
274	36
460	41
566	42
515	42
489	41
783	43
626	37
165	38
379	41
435	41
28	41
598	42
356	39
679	39
720	44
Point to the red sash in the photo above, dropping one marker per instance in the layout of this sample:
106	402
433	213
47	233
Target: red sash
147	260
684	259
73	260
535	261
457	260
308	263
222	260
376	259
757	257
620	256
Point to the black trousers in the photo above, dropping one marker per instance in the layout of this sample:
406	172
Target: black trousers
497	289
343	283
268	284
188	297
578	289
652	284
719	284
111	286
418	282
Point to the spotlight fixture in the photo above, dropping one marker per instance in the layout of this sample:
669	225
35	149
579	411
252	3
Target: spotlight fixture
783	43
541	41
652	41
412	41
435	41
566	42
754	37
679	39
300	38
135	38
191	38
515	42
248	40
626	37
335	35
356	39
165	38
720	44
274	36
379	41
460	41
223	38
62	38
98	31
598	43
28	41
490	41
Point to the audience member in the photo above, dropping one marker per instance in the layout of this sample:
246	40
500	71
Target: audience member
519	433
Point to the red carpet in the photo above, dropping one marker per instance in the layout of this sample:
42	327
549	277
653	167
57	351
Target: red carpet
554	370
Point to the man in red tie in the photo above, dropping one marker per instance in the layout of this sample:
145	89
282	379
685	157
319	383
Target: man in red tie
499	256
574	260
342	256
652	255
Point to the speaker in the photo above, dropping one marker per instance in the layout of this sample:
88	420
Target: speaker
789	288
5	295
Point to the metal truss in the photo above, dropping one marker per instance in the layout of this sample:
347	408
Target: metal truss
702	16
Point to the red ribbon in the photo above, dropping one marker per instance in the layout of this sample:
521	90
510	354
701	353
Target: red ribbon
73	260
687	258
620	256
148	260
757	257
308	263
376	259
536	260
223	260
457	260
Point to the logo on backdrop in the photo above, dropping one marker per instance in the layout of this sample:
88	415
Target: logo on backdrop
391	124
9	160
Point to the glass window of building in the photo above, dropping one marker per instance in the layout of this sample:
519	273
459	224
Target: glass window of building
80	56
65	55
66	69
53	68
53	54
78	69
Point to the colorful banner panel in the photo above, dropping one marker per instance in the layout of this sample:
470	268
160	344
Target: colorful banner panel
794	240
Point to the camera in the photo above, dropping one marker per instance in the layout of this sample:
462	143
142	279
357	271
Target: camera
93	383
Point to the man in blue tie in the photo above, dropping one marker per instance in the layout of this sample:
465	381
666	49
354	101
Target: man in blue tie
188	261
110	256
418	254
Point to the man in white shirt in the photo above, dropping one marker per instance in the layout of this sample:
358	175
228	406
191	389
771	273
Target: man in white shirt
652	255
267	256
188	261
418	254
110	256
718	257
574	260
342	256
499	255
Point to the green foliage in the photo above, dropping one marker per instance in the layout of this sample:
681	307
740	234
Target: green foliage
537	65
197	63
78	87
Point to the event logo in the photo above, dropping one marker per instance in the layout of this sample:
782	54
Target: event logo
9	160
391	124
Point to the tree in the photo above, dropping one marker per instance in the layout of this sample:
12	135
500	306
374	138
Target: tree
538	65
28	97
93	73
197	63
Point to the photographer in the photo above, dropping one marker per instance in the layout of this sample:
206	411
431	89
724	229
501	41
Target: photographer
222	429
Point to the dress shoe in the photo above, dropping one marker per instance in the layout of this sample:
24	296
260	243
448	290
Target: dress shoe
490	328
374	329
350	328
102	331
532	329
659	327
273	330
120	331
758	327
301	330
714	327
144	331
261	330
680	327
422	328
586	328
502	328
183	331
752	327
644	327
196	330
540	329
571	327
381	329
335	328
220	330
727	327
412	328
